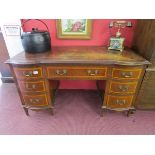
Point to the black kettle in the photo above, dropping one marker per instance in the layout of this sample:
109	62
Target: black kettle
36	41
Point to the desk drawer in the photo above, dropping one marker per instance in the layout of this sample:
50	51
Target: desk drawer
36	100
119	101
73	72
29	86
121	87
27	73
126	73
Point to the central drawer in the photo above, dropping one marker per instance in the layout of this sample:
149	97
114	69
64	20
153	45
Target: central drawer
77	72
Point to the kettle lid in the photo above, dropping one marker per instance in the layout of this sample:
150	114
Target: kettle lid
35	30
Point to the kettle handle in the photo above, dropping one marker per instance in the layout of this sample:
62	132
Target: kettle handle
33	19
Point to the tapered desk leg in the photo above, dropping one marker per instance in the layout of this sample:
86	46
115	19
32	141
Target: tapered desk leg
26	111
51	111
130	111
103	112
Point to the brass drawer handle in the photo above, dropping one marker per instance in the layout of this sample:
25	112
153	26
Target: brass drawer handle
92	72
30	73
61	72
36	100
121	102
32	87
123	88
127	74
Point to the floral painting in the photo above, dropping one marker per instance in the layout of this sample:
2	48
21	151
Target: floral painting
74	28
74	25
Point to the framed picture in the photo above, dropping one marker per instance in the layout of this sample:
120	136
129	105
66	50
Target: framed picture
12	30
74	28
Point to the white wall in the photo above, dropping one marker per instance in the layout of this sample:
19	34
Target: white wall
13	43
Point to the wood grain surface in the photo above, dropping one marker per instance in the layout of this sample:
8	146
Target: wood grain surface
122	72
80	55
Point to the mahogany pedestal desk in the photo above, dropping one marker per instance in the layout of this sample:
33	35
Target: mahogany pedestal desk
37	76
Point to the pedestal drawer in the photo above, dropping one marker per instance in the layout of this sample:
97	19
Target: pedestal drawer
129	73
35	100
27	73
28	86
122	87
119	101
77	72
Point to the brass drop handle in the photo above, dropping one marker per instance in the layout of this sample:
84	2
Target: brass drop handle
36	100
32	87
92	72
123	88
61	72
121	102
126	74
30	73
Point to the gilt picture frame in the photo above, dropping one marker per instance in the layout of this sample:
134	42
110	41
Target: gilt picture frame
74	28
